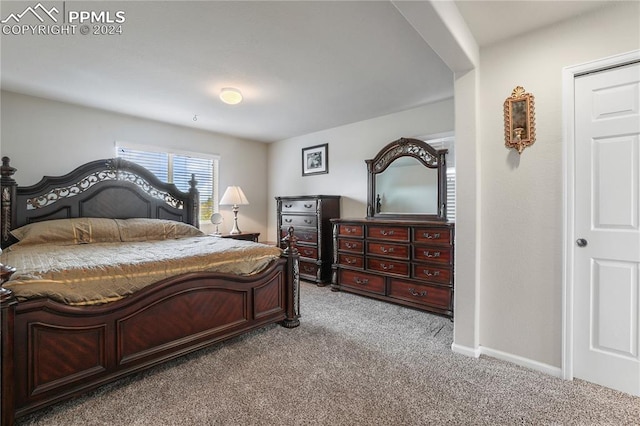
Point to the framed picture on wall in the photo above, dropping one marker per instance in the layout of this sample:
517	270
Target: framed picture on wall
315	160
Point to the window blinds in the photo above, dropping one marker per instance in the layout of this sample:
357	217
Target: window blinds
177	169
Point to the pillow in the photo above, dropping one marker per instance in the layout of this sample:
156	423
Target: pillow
68	231
154	229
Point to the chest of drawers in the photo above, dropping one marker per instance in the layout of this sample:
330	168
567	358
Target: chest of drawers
404	262
310	216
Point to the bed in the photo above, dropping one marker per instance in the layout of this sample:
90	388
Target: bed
57	345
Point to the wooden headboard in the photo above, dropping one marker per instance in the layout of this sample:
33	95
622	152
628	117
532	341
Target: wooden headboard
112	188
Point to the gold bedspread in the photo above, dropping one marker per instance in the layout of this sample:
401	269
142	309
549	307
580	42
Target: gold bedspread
92	274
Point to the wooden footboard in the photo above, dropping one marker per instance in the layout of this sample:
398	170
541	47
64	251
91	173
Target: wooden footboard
51	351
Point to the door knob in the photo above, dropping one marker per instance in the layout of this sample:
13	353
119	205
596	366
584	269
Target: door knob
581	242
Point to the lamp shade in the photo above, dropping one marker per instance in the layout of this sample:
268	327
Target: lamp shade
233	196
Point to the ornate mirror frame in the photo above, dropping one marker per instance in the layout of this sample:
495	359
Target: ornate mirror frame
519	120
425	154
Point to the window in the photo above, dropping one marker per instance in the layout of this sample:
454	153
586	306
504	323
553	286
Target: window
176	168
448	143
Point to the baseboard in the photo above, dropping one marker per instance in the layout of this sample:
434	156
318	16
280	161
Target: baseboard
465	350
504	356
523	362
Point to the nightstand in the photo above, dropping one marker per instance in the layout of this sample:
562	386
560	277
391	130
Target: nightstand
248	236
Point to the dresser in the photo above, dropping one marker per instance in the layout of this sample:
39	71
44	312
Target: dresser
405	262
310	216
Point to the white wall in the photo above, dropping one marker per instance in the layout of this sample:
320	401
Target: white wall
522	199
349	146
44	137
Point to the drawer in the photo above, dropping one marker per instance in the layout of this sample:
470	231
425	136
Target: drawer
396	251
388	266
424	294
350	230
434	274
303	235
432	235
392	233
440	255
351	260
307	251
353	246
308	269
299	206
299	220
362	281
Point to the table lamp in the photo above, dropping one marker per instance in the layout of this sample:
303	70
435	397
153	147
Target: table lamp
234	196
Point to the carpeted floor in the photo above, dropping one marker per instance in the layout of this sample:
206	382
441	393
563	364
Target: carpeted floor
352	361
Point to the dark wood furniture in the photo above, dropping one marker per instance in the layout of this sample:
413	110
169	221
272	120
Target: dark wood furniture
247	236
405	262
404	258
51	352
310	215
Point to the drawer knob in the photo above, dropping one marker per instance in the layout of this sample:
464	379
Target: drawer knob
309	221
431	236
361	281
288	220
350	246
385	232
413	292
288	205
386	250
308	206
349	230
428	253
386	267
431	274
350	260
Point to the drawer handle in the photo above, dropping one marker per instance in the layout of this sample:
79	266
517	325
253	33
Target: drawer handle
307	268
431	274
288	220
385	232
350	245
350	230
386	250
361	281
309	221
308	252
288	205
308	206
428	253
386	267
307	237
413	292
431	236
351	260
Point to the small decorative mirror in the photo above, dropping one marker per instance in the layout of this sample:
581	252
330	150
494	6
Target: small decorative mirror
407	179
216	219
519	120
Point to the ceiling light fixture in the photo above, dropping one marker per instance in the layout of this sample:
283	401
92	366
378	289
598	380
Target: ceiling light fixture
230	96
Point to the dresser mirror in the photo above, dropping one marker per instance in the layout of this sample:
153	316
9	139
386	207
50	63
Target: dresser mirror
407	179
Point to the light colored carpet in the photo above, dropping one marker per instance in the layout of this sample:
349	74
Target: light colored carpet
352	361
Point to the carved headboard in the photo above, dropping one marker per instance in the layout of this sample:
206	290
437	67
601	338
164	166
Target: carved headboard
111	188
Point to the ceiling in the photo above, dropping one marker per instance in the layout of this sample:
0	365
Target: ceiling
301	66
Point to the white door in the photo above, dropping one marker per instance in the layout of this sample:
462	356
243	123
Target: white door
606	321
